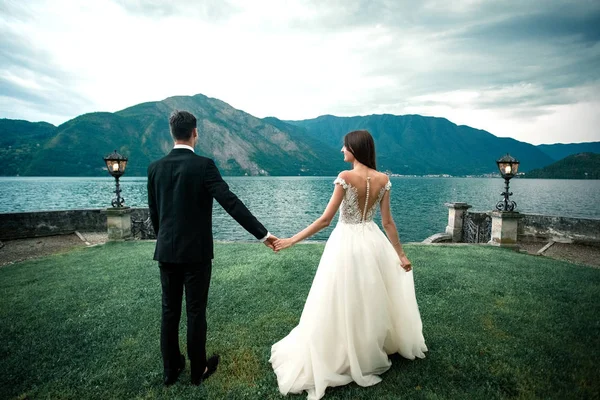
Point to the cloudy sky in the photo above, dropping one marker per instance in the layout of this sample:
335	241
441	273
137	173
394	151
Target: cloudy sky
528	69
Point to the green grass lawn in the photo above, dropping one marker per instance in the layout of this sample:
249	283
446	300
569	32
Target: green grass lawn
498	324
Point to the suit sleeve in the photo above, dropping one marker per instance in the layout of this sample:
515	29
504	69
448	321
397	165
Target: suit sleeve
219	189
152	201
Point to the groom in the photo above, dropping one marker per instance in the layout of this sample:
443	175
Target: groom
181	189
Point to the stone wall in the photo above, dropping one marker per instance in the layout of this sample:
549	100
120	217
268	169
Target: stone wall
579	230
140	214
48	223
469	227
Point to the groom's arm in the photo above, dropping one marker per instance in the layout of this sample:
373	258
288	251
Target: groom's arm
152	201
219	189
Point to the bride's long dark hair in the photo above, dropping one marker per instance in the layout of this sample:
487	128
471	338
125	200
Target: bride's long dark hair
362	146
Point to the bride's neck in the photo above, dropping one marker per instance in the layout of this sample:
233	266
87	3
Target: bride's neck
359	167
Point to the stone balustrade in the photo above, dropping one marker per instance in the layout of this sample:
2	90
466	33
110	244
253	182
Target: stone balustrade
507	228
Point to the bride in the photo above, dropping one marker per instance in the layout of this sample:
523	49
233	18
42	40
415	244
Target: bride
361	306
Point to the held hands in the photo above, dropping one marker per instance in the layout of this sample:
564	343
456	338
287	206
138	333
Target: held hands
270	242
283	244
405	263
276	244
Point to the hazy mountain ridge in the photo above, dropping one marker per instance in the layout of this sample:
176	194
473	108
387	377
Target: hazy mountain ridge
575	166
239	143
414	144
20	142
558	151
243	144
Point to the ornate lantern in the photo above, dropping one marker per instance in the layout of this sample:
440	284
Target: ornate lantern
508	167
116	164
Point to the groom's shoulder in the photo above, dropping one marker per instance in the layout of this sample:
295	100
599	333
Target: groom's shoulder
202	160
152	166
192	160
156	163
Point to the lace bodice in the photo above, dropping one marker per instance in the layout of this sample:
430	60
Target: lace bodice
350	212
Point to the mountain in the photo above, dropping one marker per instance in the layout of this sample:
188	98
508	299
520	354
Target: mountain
559	151
414	144
20	142
576	166
240	143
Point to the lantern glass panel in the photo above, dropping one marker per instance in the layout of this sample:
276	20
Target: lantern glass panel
515	168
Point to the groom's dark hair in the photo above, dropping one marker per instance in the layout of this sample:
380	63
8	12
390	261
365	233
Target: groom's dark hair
362	147
182	124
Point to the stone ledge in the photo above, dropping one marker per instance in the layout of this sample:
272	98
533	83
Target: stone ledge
438	238
49	223
22	225
506	214
458	206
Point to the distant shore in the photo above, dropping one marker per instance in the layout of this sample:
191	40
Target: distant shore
489	176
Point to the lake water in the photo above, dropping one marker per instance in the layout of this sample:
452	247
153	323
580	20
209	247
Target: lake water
286	205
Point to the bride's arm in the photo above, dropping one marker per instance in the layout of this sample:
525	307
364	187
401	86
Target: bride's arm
320	223
392	233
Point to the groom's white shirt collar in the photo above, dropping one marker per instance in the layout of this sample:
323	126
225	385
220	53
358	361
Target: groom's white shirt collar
185	146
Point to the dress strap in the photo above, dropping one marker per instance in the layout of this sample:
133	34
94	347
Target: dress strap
341	182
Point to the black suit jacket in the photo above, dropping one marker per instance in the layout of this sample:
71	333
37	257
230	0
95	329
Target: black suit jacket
181	188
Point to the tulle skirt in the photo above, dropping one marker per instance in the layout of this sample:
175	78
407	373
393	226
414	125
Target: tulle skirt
361	307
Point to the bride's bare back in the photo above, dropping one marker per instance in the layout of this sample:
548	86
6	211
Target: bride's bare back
359	181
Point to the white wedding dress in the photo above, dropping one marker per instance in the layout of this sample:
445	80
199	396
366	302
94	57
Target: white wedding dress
361	307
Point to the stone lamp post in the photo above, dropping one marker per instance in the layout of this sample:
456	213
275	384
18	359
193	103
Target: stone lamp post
118	218
505	220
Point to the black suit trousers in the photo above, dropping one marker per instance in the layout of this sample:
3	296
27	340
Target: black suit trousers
195	278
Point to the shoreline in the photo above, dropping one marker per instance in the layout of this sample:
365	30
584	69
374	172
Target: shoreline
392	175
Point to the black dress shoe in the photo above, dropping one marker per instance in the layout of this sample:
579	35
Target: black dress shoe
171	376
211	367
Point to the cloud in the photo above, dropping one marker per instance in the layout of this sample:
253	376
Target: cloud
30	83
543	25
506	67
213	10
474	62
